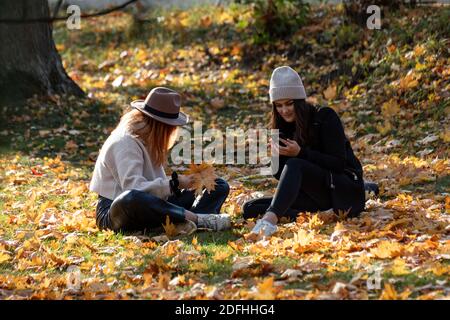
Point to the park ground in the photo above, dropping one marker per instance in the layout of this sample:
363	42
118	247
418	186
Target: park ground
390	87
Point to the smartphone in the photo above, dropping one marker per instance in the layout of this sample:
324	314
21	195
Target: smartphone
282	136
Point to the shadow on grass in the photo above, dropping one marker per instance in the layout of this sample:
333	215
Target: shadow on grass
73	128
77	128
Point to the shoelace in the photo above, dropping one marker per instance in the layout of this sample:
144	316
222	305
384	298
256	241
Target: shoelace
208	222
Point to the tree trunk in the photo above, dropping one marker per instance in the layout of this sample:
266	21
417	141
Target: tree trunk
29	61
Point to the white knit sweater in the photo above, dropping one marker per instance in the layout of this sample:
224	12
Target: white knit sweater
124	164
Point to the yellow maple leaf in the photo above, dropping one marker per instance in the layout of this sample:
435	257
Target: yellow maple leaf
445	135
235	245
342	214
439	269
385	128
221	255
339	227
409	81
46	205
4	257
206	21
387	249
399	267
163	280
420	66
77	190
389	293
203	177
224	17
419	50
315	222
396	223
169	228
195	244
266	290
303	237
148	279
390	108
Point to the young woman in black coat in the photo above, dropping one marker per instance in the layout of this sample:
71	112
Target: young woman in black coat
317	167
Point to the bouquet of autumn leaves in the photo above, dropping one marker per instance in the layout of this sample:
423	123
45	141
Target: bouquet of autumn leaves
204	178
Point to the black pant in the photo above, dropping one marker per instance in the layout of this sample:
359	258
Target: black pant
137	210
302	187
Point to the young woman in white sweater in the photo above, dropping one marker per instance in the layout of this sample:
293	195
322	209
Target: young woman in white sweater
134	191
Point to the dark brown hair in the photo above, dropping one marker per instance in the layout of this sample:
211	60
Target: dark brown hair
303	121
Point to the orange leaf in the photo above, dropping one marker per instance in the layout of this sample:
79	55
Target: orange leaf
391	48
163	281
386	249
389	293
4	257
266	290
390	108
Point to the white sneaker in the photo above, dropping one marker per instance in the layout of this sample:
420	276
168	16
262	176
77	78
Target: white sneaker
264	227
215	222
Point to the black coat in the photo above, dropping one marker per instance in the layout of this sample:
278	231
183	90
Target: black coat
330	149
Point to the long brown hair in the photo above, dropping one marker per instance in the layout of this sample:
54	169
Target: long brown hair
303	121
157	137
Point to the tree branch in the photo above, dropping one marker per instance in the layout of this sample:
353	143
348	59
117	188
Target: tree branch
57	7
50	20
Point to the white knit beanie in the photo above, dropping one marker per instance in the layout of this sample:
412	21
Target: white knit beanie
285	83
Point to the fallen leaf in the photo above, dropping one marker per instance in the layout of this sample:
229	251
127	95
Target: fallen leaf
387	249
390	108
4	257
266	290
330	93
169	228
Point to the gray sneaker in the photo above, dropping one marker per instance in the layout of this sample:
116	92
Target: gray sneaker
264	227
215	222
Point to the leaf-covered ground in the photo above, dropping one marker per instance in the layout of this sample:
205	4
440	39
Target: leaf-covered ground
390	87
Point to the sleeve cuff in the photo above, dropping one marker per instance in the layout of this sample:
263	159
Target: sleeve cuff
166	188
159	188
303	154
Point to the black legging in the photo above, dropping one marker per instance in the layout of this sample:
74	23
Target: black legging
302	187
138	210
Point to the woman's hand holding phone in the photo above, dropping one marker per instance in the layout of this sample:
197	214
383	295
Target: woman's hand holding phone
291	148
